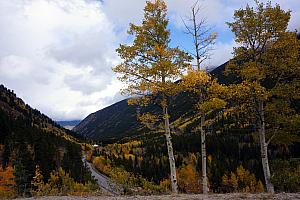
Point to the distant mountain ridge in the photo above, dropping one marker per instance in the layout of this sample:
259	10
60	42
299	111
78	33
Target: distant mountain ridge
120	119
68	124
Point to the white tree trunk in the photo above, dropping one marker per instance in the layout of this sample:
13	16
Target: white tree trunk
203	156
170	152
264	148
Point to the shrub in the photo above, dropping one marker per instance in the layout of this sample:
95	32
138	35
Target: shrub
7	183
241	181
60	183
188	179
286	175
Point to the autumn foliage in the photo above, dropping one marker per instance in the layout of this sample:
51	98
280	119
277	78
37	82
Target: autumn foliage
7	183
59	183
241	181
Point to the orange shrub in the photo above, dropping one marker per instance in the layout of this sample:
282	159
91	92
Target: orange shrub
7	183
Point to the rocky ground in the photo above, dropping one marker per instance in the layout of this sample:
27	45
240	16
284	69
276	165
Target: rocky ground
284	196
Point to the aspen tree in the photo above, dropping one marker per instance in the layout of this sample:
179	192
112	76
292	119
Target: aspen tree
198	80
265	61
150	67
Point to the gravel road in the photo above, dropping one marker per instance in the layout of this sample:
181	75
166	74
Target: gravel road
104	182
231	196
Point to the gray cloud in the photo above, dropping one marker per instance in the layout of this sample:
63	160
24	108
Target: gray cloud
57	55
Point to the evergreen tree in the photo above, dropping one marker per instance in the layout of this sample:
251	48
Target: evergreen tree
24	170
22	178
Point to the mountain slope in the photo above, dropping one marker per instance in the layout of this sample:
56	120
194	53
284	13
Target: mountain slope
115	120
29	138
120	120
16	108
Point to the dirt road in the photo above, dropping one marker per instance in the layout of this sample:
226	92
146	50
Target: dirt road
232	196
103	181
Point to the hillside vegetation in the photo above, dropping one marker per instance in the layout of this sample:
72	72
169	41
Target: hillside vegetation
235	129
36	154
236	134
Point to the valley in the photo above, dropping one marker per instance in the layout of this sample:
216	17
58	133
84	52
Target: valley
68	124
185	129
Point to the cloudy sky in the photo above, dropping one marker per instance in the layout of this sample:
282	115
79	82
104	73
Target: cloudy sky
57	55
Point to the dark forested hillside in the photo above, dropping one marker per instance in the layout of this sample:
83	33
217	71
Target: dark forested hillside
231	150
15	108
146	155
116	120
29	138
120	119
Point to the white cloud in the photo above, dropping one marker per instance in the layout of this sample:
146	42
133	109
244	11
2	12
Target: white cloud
222	53
216	13
124	12
213	11
57	55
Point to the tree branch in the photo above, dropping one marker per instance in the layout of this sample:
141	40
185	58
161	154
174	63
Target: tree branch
271	139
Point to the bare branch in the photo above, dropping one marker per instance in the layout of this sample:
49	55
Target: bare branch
269	141
189	30
203	39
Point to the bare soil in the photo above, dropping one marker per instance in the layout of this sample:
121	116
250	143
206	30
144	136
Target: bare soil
231	196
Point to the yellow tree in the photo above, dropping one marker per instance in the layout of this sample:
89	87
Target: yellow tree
188	178
150	67
241	181
265	61
211	99
38	182
282	112
7	183
199	81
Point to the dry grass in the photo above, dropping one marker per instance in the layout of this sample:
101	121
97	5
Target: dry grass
231	196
